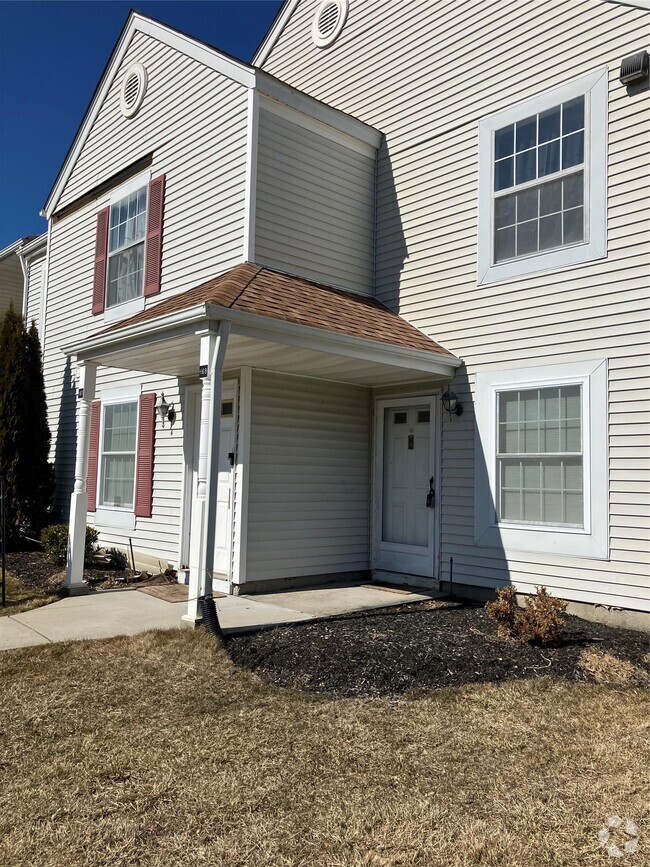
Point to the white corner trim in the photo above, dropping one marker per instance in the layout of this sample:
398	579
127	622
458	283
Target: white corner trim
595	87
111	517
242	469
248	254
277	27
591	542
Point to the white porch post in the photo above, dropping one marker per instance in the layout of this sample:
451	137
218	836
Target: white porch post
204	508
79	500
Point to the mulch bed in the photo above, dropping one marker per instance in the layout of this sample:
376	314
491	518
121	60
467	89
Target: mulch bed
424	646
36	572
32	568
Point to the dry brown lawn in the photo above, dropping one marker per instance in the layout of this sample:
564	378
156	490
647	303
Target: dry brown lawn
156	750
20	598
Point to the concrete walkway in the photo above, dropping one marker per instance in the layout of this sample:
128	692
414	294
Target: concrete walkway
128	612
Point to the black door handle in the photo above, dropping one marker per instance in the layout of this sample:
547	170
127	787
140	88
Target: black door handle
431	496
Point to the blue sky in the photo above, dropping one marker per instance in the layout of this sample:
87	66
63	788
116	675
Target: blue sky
51	57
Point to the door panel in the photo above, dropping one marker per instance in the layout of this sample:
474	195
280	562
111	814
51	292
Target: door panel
406	522
224	497
224	517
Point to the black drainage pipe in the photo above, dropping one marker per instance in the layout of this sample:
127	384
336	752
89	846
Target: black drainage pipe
210	616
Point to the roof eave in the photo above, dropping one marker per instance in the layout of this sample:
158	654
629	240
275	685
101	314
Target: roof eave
274	32
269	329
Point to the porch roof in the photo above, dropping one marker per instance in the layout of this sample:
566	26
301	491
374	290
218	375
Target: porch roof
279	322
262	291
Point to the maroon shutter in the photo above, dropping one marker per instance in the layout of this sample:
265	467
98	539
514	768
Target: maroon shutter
93	455
144	457
101	253
153	252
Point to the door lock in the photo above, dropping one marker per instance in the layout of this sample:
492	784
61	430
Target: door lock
431	495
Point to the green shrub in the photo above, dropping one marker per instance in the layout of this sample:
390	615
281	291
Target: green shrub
55	542
541	620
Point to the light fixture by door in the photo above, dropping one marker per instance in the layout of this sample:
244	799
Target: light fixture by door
165	411
450	403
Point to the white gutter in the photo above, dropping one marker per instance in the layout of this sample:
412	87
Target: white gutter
266	328
25	253
24	268
151	327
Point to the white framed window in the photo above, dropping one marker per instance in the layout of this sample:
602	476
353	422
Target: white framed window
543	182
539	473
541	481
118	454
126	241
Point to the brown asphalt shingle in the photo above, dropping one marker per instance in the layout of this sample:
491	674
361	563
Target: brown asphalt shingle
259	290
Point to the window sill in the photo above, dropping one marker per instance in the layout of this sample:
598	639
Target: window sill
122	311
562	542
121	519
554	260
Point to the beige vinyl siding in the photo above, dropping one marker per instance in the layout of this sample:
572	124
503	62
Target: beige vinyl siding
309	481
194	120
69	320
36	273
393	67
11	284
314	204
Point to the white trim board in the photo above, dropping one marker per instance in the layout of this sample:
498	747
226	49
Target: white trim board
592	541
389	558
251	175
275	31
320	126
595	89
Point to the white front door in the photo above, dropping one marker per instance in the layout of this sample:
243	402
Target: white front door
224	490
405	480
223	535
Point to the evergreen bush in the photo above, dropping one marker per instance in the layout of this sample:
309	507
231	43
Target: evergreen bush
24	431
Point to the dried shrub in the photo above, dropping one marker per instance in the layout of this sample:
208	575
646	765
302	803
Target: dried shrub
541	620
505	611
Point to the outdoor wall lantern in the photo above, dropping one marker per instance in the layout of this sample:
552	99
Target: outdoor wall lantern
165	411
450	403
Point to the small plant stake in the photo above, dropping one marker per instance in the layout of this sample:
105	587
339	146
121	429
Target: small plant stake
3	532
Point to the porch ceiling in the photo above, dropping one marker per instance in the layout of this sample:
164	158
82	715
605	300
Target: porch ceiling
178	356
279	323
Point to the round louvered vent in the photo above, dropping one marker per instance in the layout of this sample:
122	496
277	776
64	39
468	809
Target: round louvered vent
134	87
328	22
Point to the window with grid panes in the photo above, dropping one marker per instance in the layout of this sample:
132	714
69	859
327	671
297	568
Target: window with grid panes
126	239
119	454
539	457
542	191
539	182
